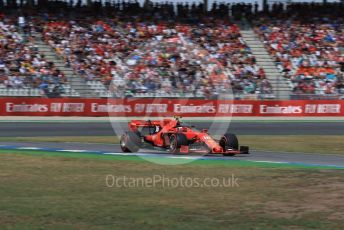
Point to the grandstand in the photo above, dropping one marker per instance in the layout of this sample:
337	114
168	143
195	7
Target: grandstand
124	49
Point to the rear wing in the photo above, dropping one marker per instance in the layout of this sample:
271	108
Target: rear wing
135	124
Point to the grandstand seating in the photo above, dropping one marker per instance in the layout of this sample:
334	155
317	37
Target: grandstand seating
116	54
308	54
125	50
23	70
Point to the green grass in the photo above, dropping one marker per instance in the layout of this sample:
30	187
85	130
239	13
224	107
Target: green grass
333	144
325	144
69	192
169	161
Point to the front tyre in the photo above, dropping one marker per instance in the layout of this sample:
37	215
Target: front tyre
229	141
130	142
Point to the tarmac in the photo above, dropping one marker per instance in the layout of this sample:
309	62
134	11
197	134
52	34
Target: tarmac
33	127
301	159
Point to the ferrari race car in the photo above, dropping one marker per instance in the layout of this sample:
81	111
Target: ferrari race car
172	135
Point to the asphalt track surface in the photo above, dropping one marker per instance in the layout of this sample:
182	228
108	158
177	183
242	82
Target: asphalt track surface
32	129
258	156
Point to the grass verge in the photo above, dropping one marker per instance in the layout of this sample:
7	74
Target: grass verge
325	144
44	192
169	161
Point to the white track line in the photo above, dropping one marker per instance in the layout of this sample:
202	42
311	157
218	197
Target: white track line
73	150
275	162
29	148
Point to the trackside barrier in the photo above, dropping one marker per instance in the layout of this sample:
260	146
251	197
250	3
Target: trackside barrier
167	107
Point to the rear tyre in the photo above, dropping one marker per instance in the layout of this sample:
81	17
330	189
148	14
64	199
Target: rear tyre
176	141
130	142
229	141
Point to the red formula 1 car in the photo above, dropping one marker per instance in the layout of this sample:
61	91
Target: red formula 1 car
172	135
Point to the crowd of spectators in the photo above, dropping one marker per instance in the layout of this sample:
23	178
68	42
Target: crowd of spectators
21	64
162	48
204	58
309	52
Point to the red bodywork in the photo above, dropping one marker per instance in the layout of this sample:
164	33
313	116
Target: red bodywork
167	127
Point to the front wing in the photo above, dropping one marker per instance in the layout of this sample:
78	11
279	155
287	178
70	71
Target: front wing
205	150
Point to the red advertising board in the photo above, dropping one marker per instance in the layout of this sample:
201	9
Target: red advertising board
166	107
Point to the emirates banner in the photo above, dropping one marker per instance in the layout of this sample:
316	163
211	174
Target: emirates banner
166	107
